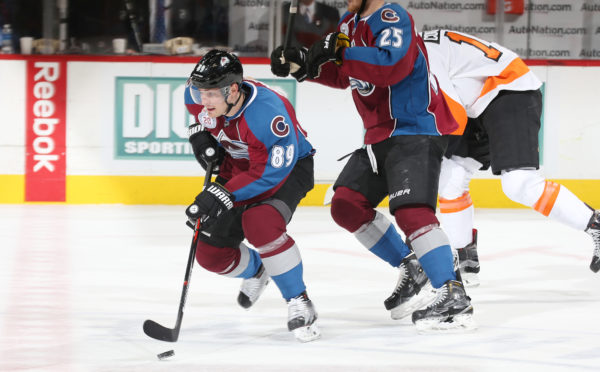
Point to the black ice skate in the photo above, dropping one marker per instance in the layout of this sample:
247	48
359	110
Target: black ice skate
451	309
469	263
301	318
593	228
413	290
252	288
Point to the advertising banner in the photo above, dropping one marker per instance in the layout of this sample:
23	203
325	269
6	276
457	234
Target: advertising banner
151	119
537	29
45	160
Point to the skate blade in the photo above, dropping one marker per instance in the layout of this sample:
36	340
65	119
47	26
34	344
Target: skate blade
470	280
425	297
308	333
460	323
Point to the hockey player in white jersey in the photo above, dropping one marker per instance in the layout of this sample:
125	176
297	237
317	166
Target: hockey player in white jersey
496	99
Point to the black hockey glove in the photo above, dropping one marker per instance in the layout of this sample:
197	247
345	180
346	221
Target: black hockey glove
209	204
295	62
205	146
328	49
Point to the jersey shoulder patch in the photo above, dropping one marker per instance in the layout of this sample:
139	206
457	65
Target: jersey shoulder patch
389	16
279	127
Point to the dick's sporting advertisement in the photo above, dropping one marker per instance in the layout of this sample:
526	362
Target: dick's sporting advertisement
151	119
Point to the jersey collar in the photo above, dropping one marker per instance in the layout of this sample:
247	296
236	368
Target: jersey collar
251	88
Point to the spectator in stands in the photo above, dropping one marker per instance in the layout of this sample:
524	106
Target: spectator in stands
313	20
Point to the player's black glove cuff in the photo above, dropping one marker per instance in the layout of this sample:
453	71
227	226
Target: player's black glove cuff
328	49
297	59
294	62
210	204
278	67
205	146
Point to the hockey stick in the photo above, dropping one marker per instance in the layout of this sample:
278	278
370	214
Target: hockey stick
157	331
290	26
287	41
134	24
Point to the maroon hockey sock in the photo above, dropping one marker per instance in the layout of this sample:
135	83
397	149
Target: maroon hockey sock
412	218
262	225
350	209
216	259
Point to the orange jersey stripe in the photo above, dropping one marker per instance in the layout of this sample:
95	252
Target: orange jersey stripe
512	72
458	112
546	202
456	205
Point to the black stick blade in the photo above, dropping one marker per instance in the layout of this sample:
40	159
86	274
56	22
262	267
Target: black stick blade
155	330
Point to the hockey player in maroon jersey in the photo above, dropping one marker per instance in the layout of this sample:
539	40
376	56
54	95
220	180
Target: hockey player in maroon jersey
265	169
378	54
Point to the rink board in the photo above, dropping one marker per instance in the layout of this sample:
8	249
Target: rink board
121	135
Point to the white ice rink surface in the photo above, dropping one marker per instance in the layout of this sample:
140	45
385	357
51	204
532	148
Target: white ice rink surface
77	282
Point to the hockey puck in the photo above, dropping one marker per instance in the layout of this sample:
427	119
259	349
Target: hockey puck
166	354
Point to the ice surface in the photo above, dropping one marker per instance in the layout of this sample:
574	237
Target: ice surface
78	281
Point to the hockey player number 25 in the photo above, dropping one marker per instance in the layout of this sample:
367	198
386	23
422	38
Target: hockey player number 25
391	36
489	51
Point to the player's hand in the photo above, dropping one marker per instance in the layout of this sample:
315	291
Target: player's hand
279	66
293	61
209	205
205	146
328	49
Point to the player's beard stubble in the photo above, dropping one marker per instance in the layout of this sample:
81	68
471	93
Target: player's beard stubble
354	5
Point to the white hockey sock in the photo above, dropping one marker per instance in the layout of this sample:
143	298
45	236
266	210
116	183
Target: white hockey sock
569	209
549	198
456	217
456	207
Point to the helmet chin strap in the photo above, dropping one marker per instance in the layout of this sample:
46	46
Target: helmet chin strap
231	105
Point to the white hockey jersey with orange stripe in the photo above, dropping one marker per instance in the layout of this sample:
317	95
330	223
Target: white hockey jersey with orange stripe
471	71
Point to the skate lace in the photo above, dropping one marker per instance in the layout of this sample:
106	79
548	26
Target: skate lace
594	231
252	285
404	275
596	237
298	307
440	296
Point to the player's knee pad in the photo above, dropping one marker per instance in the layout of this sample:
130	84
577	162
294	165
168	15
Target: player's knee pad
523	186
350	209
414	219
455	176
262	224
216	259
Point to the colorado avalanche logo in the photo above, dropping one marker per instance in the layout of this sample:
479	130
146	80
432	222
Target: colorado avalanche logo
389	16
237	149
364	88
279	127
